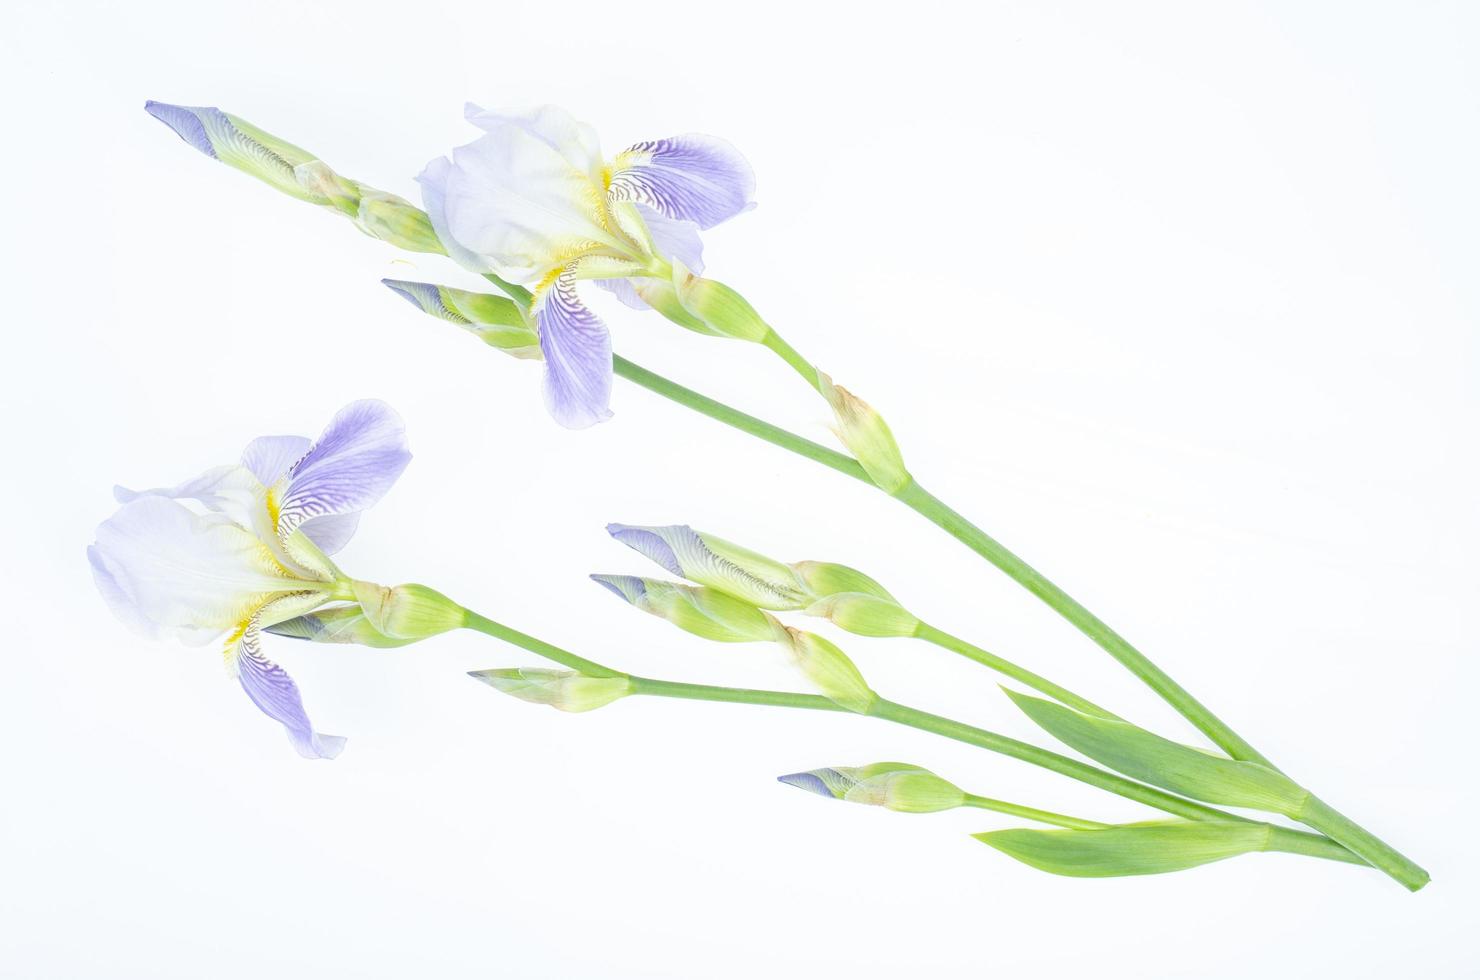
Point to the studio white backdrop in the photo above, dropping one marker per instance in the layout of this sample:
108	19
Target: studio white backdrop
1177	300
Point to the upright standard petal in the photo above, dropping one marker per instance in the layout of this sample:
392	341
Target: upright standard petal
692	177
230	490
272	690
269	457
166	570
522	205
574	140
578	356
350	467
433	181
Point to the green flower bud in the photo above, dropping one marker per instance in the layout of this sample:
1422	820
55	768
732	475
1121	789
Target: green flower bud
865	615
495	320
718	307
336	624
408	612
297	172
824	578
379	214
702	611
396	221
894	785
867	436
565	690
830	671
717	563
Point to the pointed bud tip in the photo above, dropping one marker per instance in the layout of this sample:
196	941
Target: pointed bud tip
808	781
185	122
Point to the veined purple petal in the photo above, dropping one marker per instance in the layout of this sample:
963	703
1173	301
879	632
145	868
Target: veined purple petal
650	543
578	356
350	467
269	457
691	177
272	690
185	121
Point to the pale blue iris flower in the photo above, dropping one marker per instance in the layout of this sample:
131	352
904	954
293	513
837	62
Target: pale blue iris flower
243	547
534	202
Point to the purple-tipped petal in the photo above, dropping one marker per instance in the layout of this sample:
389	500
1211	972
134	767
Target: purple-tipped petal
185	121
272	690
578	356
649	543
691	177
350	467
628	587
427	298
809	781
269	457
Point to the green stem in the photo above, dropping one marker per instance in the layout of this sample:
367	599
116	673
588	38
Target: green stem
733	417
774	342
913	718
1032	813
1316	813
535	645
1043	685
932	508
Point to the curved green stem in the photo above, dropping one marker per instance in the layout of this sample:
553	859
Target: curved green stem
900	714
1007	668
773	341
1032	813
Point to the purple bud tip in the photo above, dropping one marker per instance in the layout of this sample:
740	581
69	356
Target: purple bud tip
628	587
648	543
185	122
808	781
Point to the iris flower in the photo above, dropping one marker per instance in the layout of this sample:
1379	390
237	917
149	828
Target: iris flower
534	202
243	547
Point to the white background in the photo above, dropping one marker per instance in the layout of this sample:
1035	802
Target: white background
1178	300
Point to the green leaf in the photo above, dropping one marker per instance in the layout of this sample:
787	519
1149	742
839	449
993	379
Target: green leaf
1130	849
1150	758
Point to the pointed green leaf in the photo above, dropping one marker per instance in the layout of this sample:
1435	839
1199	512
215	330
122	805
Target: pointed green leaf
1150	758
1131	849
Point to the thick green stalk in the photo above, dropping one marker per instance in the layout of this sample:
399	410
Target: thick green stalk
1007	668
1316	813
932	508
1310	844
1032	813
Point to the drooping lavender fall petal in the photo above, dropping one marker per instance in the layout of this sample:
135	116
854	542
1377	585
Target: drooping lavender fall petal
578	356
272	690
